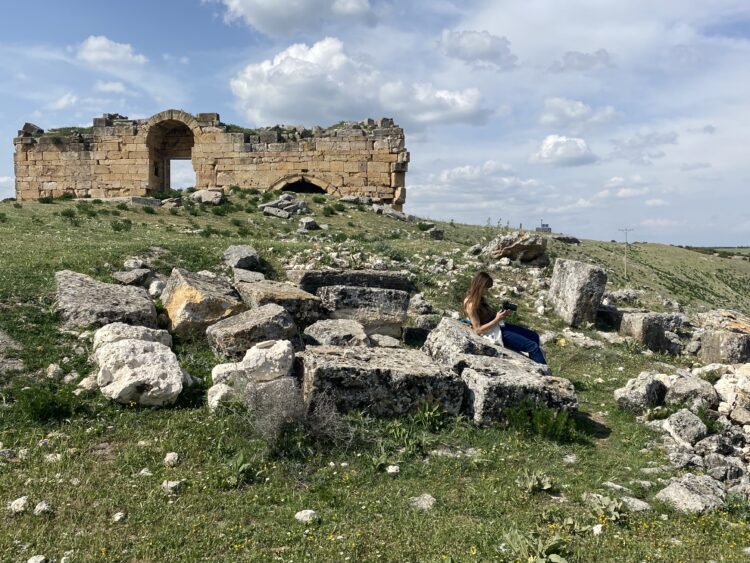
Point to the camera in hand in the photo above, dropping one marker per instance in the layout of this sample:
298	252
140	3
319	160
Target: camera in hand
507	305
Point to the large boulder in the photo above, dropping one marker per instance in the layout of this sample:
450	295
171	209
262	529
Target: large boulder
726	337
235	335
241	256
85	302
380	381
312	280
208	197
120	331
301	305
526	248
495	384
693	493
265	361
651	329
644	392
381	311
196	301
336	332
693	392
140	372
685	427
576	290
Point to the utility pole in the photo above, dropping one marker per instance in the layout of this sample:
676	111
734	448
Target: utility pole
626	231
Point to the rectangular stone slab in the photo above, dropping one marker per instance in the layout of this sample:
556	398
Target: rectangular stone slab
379	381
312	280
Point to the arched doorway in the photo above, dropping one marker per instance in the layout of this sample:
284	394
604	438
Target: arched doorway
303	184
167	140
303	187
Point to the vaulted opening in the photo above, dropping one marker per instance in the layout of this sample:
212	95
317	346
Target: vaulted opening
170	141
303	187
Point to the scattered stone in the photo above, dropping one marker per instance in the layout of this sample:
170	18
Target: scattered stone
218	395
336	332
654	330
173	487
435	234
208	197
301	305
118	517
194	301
235	335
83	302
53	458
145	472
242	257
570	459
580	339
132	277
393	470
381	311
246	276
308	224
276	212
576	291
141	372
685	427
8	344
38	559
635	505
526	248
134	264
42	508
384	341
115	332
306	516
693	392
644	392
726	337
171	459
19	505
422	502
54	371
693	493
381	381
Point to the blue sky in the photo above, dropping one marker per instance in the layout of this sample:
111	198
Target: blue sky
590	115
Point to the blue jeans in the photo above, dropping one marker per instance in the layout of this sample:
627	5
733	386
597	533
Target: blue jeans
520	339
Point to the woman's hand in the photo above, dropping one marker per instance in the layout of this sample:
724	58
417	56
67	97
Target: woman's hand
501	315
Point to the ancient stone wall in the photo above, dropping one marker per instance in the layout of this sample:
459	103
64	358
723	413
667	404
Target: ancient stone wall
123	157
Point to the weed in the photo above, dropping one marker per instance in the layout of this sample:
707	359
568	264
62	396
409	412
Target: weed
174	211
540	420
713	425
328	211
3	218
340	207
122	225
122	206
46	199
242	472
47	403
606	508
148	210
424	226
17	205
533	547
319	199
534	482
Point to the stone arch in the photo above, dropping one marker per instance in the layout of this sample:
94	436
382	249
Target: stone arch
286	181
169	135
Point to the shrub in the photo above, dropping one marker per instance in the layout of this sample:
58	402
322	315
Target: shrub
319	199
68	213
328	211
67	196
46	199
340	207
122	206
243	231
148	210
3	218
17	205
85	208
122	225
266	196
46	403
174	211
540	420
423	226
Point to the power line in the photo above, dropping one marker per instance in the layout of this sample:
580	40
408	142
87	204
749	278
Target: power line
626	231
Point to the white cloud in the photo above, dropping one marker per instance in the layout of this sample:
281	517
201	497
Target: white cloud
573	114
656	202
624	188
474	172
113	87
324	82
580	203
576	61
292	16
643	147
480	49
623	193
65	101
174	59
424	104
98	50
560	150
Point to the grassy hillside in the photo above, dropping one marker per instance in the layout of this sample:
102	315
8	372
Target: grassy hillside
233	513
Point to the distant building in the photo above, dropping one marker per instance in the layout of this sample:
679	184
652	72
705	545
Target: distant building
545	228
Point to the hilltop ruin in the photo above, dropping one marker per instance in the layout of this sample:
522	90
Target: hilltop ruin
132	157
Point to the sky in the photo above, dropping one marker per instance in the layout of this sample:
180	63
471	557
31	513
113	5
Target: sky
591	115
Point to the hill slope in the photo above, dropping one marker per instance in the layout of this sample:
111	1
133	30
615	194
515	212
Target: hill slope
242	509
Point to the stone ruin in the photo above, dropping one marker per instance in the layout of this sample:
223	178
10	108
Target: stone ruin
131	157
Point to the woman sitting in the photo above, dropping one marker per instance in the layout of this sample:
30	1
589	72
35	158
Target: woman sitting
489	323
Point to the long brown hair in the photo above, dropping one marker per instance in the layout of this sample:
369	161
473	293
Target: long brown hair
479	286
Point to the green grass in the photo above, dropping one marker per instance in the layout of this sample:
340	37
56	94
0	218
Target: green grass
364	512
